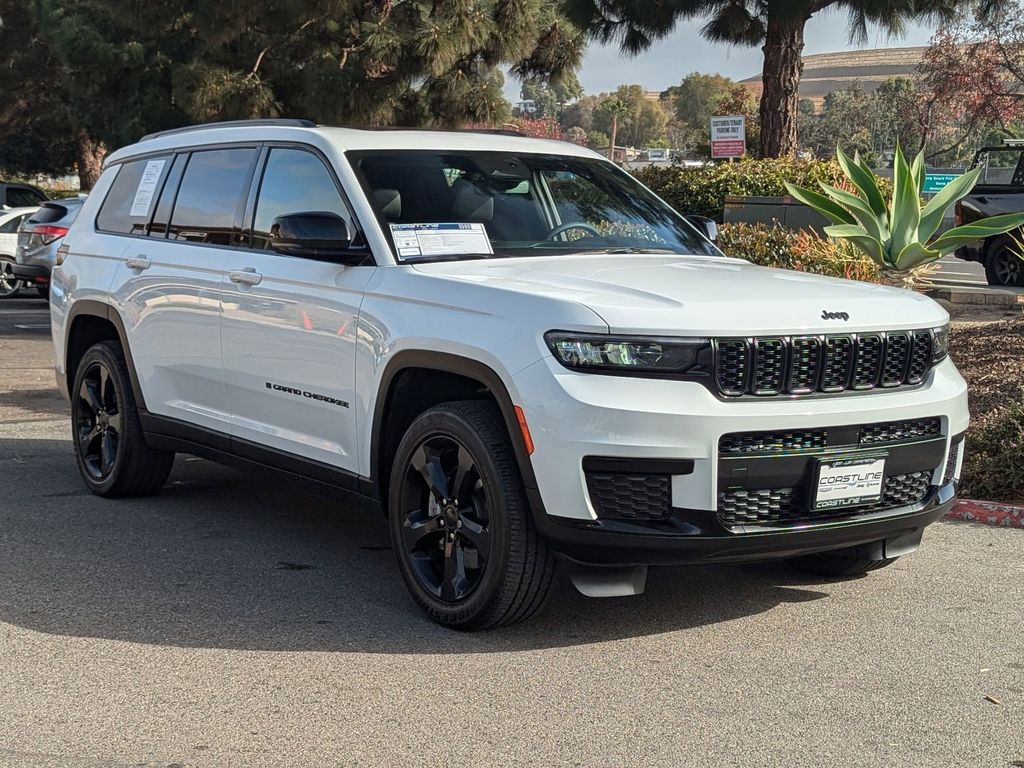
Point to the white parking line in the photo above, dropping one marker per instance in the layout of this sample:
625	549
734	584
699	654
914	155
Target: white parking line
31	326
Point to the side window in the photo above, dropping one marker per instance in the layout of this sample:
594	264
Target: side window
162	217
129	203
12	225
295	181
211	196
20	197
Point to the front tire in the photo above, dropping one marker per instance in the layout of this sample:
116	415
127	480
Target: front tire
837	565
1003	266
110	448
460	522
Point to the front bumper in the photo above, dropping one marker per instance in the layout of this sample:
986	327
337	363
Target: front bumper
576	417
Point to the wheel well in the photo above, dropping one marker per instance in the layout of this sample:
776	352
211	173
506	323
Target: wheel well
411	392
86	330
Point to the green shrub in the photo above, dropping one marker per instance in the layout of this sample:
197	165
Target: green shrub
803	251
994	456
703	190
56	193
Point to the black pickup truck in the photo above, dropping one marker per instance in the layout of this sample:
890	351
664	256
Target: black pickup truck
1000	190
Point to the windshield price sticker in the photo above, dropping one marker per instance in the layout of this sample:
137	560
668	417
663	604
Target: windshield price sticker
147	188
849	482
421	240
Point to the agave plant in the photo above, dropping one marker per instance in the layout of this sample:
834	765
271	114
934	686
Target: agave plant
898	234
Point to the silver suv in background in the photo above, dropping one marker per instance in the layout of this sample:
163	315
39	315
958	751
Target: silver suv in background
39	238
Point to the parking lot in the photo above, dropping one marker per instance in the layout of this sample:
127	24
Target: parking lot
239	620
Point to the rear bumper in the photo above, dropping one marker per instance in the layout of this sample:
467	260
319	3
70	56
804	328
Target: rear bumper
968	253
33	273
693	537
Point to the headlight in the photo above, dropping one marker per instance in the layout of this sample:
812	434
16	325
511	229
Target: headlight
940	345
625	354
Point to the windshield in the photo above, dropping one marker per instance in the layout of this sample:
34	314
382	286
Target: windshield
442	205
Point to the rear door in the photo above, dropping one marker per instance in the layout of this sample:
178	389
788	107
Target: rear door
185	213
289	327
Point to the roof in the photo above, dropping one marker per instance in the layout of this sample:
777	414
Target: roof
345	139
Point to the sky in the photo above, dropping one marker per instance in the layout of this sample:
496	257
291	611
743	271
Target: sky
685	51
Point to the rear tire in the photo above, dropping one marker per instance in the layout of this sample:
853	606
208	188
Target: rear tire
9	284
110	448
460	523
835	565
1002	264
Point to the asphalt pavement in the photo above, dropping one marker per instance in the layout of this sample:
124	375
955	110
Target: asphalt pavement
239	620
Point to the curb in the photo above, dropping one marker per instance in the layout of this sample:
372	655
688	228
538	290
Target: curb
987	513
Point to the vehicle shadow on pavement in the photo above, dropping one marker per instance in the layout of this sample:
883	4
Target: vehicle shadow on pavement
226	559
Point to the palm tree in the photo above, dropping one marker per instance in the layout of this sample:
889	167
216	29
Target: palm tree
776	25
616	108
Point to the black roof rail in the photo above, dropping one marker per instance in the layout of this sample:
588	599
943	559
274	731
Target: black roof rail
286	122
498	131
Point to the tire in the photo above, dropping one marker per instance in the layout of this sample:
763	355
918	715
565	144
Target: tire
836	565
9	284
1002	264
491	569
43	291
110	449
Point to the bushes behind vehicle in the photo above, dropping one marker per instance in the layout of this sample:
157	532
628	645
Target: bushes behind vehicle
803	251
994	460
702	190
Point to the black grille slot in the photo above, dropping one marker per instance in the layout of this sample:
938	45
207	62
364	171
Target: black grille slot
899	431
838	360
868	361
769	366
920	357
805	362
630	496
732	365
772	442
779	506
897	355
954	455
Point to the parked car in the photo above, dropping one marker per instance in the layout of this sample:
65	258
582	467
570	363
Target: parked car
10	220
1003	255
509	347
39	238
13	195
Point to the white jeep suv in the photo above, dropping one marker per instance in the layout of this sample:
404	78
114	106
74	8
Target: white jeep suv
509	346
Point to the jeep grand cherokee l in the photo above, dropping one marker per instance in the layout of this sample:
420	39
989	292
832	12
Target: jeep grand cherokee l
511	347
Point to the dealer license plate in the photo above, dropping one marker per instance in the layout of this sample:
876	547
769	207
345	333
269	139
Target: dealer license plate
849	482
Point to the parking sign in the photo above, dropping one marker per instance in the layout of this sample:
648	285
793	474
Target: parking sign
728	136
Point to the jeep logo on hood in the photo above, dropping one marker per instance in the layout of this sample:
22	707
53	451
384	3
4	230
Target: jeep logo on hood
826	315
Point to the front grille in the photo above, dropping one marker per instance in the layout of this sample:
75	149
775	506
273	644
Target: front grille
779	506
862	435
801	365
630	496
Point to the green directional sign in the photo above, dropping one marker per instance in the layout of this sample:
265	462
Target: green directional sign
934	182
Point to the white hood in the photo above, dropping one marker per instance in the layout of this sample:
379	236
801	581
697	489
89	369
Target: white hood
701	295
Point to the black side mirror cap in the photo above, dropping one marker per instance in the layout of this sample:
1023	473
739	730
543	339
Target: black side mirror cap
314	235
704	225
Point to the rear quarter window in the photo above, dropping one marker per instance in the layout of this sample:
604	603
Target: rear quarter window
132	198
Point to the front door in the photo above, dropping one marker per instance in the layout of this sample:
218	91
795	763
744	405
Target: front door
289	325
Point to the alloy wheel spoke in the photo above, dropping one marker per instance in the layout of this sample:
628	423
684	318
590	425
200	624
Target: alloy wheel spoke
465	464
477	535
108	452
106	389
428	464
89	392
86	437
452	583
115	422
414	531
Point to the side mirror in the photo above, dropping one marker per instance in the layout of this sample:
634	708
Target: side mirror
704	225
314	235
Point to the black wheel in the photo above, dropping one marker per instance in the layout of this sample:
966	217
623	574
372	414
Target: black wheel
9	284
1003	265
111	451
43	291
837	565
460	524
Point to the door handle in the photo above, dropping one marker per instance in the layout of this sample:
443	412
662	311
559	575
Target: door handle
138	262
245	276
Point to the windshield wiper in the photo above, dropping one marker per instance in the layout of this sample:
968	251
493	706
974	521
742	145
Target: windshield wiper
631	249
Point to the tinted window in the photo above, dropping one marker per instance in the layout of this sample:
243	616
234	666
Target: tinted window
11	225
211	196
130	202
295	182
20	197
158	227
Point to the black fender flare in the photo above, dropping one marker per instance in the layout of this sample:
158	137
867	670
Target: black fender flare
106	312
462	366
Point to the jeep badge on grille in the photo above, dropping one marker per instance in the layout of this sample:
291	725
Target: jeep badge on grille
826	315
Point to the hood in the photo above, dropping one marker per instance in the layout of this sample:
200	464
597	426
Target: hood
701	295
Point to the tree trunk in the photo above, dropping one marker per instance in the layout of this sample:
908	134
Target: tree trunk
784	42
90	154
611	143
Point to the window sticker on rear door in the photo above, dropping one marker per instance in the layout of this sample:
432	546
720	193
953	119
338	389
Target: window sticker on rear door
424	240
147	188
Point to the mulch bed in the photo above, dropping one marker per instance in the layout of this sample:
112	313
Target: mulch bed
991	358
